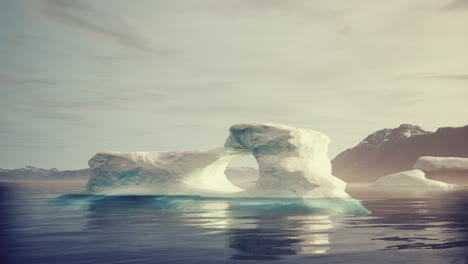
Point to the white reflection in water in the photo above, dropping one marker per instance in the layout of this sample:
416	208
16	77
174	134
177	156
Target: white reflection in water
215	215
314	233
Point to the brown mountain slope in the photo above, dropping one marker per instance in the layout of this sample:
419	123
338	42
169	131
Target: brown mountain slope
392	150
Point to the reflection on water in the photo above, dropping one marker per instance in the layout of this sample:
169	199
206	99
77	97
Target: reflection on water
433	221
210	214
314	233
429	228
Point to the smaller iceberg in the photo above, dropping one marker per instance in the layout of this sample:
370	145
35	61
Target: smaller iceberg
428	164
412	180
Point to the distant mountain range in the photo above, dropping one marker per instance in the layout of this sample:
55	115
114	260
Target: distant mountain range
30	173
394	150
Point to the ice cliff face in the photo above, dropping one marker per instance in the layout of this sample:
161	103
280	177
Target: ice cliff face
292	162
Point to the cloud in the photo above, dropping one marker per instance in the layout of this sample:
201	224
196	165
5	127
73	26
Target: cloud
26	80
5	126
457	5
19	39
399	99
82	15
64	110
107	58
455	77
452	77
266	5
232	110
299	8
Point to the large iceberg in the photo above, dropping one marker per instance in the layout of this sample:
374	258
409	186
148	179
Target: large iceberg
412	180
292	163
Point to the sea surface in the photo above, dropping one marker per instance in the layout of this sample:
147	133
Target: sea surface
402	227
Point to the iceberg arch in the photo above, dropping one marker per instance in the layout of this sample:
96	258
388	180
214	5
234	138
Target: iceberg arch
293	162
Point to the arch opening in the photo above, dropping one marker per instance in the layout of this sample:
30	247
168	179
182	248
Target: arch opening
243	172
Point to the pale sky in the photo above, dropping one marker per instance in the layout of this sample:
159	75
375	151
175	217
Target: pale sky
78	77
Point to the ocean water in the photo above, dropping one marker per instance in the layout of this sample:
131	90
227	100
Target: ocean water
35	227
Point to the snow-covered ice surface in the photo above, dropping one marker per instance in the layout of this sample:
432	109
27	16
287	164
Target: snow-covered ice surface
293	163
412	180
185	172
428	163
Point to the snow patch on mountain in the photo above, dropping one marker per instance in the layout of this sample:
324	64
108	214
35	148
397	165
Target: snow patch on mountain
387	135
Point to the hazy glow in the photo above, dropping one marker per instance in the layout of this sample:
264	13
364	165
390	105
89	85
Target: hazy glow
78	77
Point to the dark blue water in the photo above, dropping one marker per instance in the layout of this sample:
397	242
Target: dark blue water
401	228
